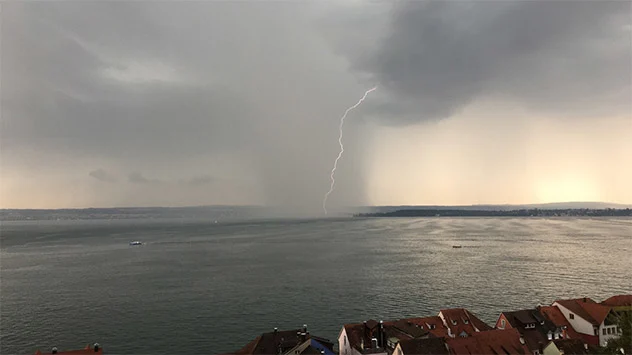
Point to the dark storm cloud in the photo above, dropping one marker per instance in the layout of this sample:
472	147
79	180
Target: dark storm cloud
567	57
102	175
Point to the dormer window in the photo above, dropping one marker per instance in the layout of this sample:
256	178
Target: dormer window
466	321
571	316
432	326
454	322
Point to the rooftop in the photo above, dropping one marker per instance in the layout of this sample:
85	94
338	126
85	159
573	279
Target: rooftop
586	308
533	326
497	341
554	315
435	346
461	320
618	301
433	324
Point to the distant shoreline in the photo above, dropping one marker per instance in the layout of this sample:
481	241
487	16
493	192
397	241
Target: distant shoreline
572	212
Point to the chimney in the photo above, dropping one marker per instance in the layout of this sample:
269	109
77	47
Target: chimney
585	300
96	347
54	351
381	334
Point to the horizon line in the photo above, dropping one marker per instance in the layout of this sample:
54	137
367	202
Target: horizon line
627	205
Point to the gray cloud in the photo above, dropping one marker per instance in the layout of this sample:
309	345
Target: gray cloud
183	85
199	180
566	57
102	175
252	92
138	178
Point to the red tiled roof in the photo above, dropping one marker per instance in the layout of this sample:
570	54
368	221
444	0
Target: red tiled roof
497	341
88	350
439	330
554	314
586	308
618	301
461	320
434	346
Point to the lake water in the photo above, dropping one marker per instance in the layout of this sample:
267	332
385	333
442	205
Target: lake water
205	287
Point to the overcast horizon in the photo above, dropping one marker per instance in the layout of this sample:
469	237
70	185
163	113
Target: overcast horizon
121	104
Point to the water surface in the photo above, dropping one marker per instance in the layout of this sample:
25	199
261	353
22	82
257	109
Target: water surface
198	286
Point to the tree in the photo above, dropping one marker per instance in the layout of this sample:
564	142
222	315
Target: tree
624	341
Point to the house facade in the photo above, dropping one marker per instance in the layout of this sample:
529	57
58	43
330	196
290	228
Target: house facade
594	321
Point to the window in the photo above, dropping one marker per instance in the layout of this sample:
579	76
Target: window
345	340
503	323
604	331
571	316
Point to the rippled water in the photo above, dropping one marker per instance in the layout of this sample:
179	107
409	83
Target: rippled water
198	287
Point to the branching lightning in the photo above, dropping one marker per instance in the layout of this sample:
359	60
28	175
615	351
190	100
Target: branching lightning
342	148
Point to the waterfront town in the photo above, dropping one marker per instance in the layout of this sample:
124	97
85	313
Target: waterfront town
566	326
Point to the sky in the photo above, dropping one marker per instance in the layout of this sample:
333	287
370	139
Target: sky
202	103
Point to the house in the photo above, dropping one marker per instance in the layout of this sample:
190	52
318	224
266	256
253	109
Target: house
373	337
461	322
536	330
427	346
497	341
295	342
554	315
566	347
593	320
88	350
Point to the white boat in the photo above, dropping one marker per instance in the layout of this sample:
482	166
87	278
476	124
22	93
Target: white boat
136	242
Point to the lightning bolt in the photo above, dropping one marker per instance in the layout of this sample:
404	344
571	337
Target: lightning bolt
342	148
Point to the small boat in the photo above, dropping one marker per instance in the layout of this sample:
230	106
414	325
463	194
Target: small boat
136	242
457	246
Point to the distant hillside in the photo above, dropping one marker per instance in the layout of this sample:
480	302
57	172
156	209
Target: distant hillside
544	206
